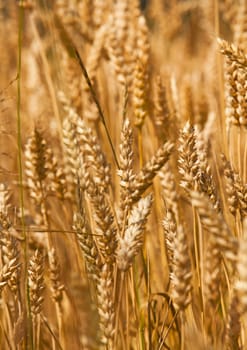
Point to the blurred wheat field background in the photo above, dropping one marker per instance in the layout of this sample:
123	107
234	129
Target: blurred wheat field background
123	174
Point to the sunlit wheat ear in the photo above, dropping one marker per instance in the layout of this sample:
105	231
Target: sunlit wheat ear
214	222
57	287
36	166
233	53
235	189
71	147
10	252
145	177
219	243
181	271
231	92
241	88
117	38
170	231
206	181
125	172
4	199
141	78
162	114
9	244
72	80
239	29
101	12
88	246
130	244
169	188
36	282
106	305
56	177
188	158
94	157
7	271
103	217
140	95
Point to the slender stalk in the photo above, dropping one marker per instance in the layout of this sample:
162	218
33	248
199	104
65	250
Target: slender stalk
168	330
182	317
239	152
118	308
221	120
245	157
96	101
140	147
29	334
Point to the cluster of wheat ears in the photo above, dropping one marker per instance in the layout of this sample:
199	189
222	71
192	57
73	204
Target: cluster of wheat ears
123	174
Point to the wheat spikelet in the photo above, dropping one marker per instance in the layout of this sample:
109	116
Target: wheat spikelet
94	156
10	252
101	10
71	19
4	199
36	282
193	165
233	53
103	218
117	40
141	74
117	58
241	283
240	26
143	45
235	189
168	184
125	172
7	272
181	271
144	178
132	240
106	305
73	80
71	147
188	158
36	166
56	176
214	222
162	114
87	244
205	179
140	94
57	287
86	9
170	231
241	97
231	72
219	242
